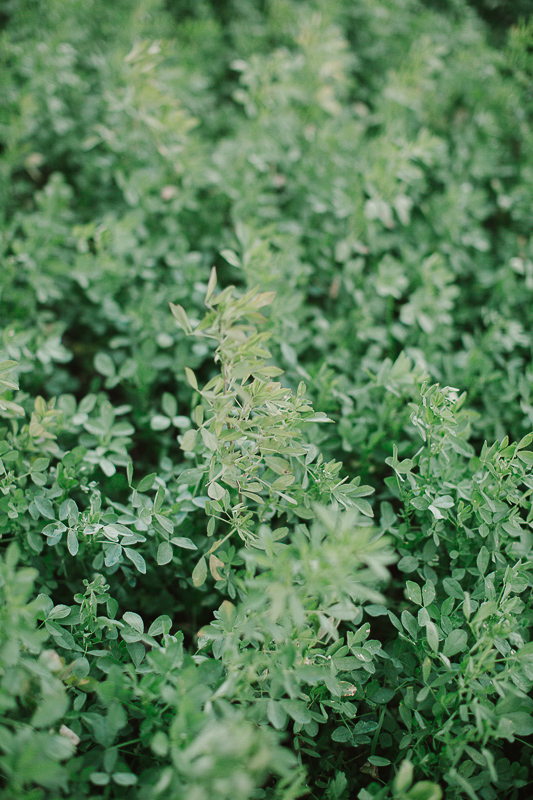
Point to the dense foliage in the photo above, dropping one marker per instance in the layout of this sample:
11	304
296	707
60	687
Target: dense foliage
266	396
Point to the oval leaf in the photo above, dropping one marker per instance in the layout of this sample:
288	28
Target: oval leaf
200	572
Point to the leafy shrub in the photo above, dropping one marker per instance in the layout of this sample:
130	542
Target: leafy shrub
251	554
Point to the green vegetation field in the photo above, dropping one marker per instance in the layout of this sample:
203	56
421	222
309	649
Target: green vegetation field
266	399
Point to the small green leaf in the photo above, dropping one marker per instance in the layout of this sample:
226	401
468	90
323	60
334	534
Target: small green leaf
199	573
164	553
482	560
105	365
211	285
107	467
191	378
231	257
297	710
455	643
165	523
161	624
413	592
180	315
72	542
188	440
341	734
124	778
425	790
184	542
404	777
276	714
160	423
209	439
147	482
525	441
134	620
44	507
432	636
99	778
113	555
136	558
39	465
216	491
159	743
428	593
50	709
363	506
378	761
7	366
278	465
169	404
59	612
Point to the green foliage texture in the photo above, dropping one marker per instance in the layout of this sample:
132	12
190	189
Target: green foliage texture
266	399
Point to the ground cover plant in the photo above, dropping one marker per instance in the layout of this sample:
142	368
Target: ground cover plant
266	399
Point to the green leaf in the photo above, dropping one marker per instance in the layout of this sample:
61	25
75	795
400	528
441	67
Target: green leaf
59	612
211	285
44	507
425	790
51	708
134	620
99	778
199	573
525	441
147	482
297	710
482	560
107	467
124	778
278	465
191	378
276	714
169	404
105	365
432	636
165	523
342	734
113	555
216	491
413	592
159	744
161	624
160	423
378	761
428	593
72	542
455	642
404	777
136	558
39	465
209	439
180	315
7	366
164	553
188	440
363	506
408	564
190	476
231	257
453	588
184	542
